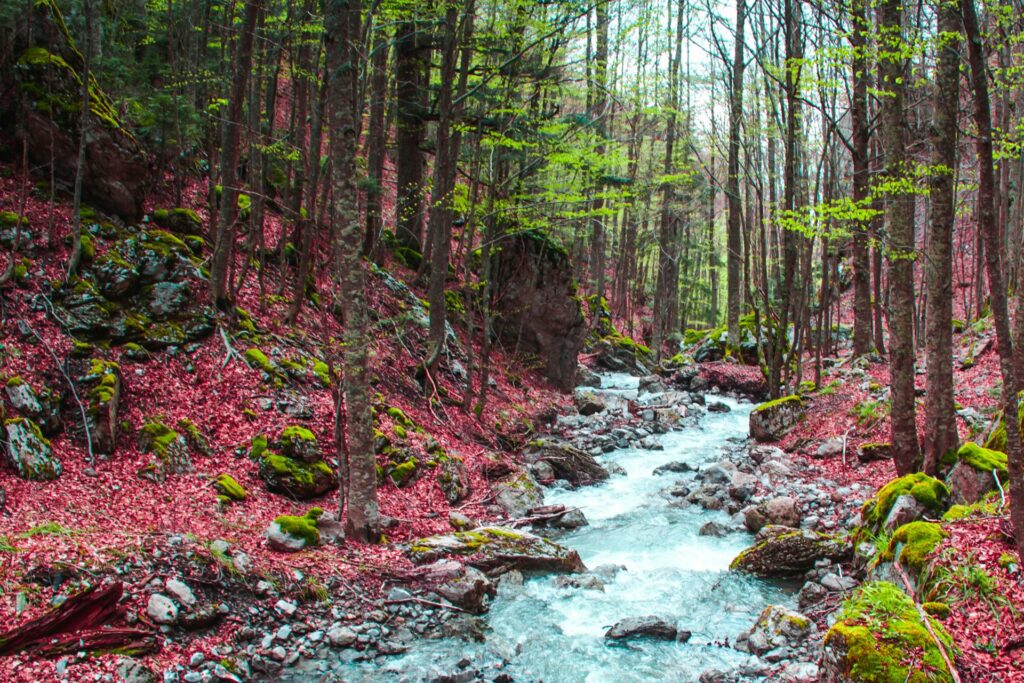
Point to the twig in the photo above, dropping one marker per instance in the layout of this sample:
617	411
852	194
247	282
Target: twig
421	601
231	353
1002	493
927	622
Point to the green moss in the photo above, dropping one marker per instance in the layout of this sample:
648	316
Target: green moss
322	372
258	446
1006	559
15	381
918	539
939	610
399	431
257	359
400	418
928	491
983	459
157	438
989	506
302	527
294	438
403	472
8	219
229	488
791	399
31	426
885	639
301	473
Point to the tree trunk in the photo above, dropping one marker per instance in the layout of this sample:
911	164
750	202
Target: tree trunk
412	68
341	26
900	220
940	428
861	179
734	255
989	230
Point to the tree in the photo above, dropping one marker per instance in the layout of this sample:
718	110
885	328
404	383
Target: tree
359	493
861	178
940	431
734	245
899	218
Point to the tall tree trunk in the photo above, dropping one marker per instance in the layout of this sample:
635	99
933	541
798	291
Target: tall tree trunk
940	427
231	134
342	30
861	179
85	120
989	230
412	68
900	220
599	104
377	140
734	255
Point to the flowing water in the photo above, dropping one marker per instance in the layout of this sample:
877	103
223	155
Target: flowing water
543	632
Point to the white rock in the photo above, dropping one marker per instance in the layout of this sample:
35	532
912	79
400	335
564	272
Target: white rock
161	609
285	607
180	591
341	636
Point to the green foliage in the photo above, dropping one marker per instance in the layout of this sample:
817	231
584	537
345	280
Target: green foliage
869	411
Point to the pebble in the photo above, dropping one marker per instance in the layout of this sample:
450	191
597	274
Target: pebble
197	659
284	633
286	608
278	654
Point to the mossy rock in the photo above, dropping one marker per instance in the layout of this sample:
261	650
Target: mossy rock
228	489
772	420
930	493
299	443
29	452
179	220
194	437
913	543
880	637
288	533
975	473
996	441
101	387
780	552
490	548
294	478
170	447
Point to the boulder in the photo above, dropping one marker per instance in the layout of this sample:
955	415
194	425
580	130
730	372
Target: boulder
169	448
929	495
675	467
101	393
651	384
872	452
499	549
42	407
772	420
775	627
975	473
718	407
452	478
289	534
469	590
180	220
653	627
588	403
575	466
29	452
536	310
783	511
830	448
299	443
782	552
161	609
294	478
117	171
518	495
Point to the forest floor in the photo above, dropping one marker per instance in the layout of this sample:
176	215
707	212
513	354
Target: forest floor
100	521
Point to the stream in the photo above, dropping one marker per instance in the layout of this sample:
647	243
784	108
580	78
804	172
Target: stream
543	632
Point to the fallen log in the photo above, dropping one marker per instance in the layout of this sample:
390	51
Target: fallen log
131	642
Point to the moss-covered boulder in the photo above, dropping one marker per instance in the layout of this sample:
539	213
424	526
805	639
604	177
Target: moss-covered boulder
101	394
179	220
874	451
780	552
772	420
569	463
452	478
975	473
518	494
228	489
903	500
117	173
169	448
294	478
912	545
498	548
996	440
289	534
881	637
299	443
29	452
43	406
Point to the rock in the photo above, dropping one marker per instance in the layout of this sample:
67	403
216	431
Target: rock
167	299
904	510
571	519
538	311
490	548
43	407
975	472
585	377
200	617
931	495
465	627
742	486
131	670
469	591
460	522
169	447
713	529
584	582
782	511
588	403
117	174
775	627
285	608
811	594
517	495
289	534
575	466
718	407
772	420
830	448
161	609
799	672
100	389
341	636
452	478
299	443
653	627
29	452
651	384
838	584
677	467
296	479
179	220
181	592
782	552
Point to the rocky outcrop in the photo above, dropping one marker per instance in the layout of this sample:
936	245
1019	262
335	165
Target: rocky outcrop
518	495
499	549
772	420
567	462
781	552
776	627
42	406
975	473
536	310
117	171
29	452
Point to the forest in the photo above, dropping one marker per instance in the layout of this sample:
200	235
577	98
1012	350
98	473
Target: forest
512	340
